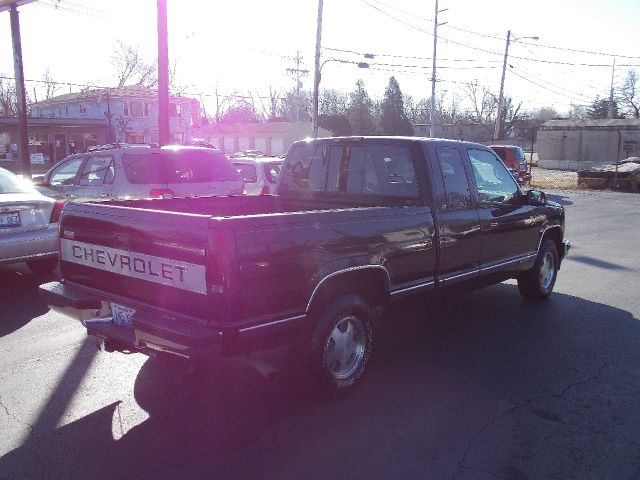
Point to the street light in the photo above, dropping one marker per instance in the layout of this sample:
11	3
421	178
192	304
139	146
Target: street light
497	132
316	88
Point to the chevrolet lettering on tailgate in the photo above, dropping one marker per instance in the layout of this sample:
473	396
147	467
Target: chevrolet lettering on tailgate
173	273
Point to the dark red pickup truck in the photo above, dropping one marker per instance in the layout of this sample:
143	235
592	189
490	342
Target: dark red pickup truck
354	224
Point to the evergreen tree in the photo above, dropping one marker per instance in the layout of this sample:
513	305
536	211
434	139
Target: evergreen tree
599	109
360	111
393	120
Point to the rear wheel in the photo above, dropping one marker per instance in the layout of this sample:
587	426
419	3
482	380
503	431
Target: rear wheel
341	343
43	266
537	283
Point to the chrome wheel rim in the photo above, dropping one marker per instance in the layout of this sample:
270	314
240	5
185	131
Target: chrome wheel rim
345	348
547	270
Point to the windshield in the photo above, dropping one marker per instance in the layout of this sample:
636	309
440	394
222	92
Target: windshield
10	183
179	166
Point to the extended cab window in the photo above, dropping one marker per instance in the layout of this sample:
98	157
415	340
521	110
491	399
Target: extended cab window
495	183
352	170
456	185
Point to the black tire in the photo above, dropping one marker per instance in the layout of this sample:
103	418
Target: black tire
537	283
348	321
43	266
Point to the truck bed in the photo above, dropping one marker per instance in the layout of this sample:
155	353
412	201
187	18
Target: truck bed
234	206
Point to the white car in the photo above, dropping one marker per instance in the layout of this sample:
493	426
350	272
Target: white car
28	225
122	172
259	174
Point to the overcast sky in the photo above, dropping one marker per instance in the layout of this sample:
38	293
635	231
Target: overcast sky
246	45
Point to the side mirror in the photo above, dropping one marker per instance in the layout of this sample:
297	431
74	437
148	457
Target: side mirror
536	197
39	181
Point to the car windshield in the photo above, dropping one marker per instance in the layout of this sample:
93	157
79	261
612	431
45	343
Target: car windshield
10	183
178	166
247	171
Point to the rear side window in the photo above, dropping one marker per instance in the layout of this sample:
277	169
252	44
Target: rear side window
178	166
352	170
456	184
97	170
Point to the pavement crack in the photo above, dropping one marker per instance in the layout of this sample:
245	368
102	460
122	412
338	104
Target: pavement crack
462	463
15	418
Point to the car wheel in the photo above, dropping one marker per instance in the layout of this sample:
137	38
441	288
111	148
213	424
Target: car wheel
43	266
538	283
341	343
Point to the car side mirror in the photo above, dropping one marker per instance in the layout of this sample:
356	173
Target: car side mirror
536	197
39	181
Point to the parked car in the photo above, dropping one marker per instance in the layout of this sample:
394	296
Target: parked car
141	171
259	174
28	225
513	158
355	223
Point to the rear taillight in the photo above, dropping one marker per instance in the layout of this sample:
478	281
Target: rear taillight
265	190
161	193
55	213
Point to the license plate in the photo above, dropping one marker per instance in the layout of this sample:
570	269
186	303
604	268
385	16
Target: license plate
122	315
11	219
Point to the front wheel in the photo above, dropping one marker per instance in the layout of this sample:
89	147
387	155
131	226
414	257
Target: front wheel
341	343
537	283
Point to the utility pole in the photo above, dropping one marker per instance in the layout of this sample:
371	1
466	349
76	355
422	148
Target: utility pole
20	93
163	74
613	73
316	72
297	73
498	130
432	116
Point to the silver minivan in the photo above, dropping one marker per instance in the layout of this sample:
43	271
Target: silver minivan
123	172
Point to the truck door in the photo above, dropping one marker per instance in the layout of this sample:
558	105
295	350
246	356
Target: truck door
509	227
458	221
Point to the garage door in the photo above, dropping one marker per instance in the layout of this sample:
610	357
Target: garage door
277	146
261	144
229	145
244	143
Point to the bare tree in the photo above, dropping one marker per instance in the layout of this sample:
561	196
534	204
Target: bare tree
49	87
131	68
483	102
8	99
629	92
511	116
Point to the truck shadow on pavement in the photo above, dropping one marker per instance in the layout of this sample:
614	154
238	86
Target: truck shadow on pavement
483	386
19	299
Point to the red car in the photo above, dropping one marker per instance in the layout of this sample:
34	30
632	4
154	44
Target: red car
513	158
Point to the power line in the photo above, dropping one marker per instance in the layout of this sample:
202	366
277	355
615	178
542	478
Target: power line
486	35
546	88
410	57
553	62
558	87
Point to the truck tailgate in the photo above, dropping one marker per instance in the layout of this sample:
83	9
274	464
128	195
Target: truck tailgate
150	256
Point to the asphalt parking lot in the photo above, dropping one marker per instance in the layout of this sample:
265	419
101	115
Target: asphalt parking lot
482	386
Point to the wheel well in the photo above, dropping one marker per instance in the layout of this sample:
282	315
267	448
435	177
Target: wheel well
555	234
371	284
